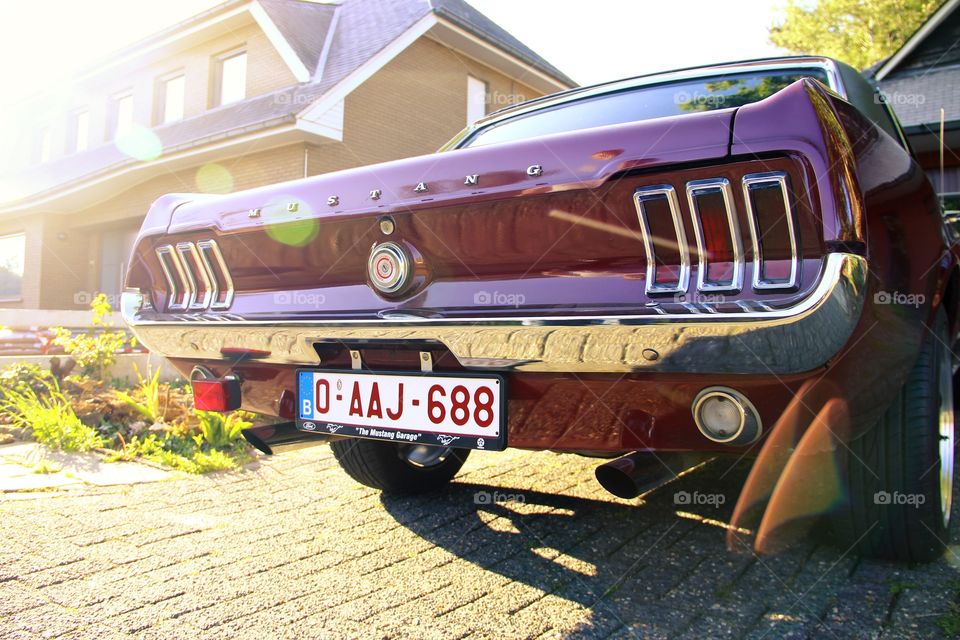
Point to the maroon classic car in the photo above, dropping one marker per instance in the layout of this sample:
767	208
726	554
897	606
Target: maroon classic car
740	259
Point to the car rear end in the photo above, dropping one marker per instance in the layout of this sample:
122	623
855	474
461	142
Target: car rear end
579	291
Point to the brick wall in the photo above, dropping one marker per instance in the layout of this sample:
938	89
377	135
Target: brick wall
412	106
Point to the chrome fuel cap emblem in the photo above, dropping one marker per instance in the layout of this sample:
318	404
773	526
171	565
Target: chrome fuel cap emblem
389	267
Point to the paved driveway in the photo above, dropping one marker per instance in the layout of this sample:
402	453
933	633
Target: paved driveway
295	549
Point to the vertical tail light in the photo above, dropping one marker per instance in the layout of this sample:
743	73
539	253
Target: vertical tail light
718	235
776	263
664	240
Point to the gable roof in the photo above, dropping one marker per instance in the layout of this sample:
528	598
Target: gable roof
923	75
915	41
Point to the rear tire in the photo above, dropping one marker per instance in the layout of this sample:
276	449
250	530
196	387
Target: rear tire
399	469
900	473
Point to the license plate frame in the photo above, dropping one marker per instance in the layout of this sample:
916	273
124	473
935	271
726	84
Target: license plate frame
406	435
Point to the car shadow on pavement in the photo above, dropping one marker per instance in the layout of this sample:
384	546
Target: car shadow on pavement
579	548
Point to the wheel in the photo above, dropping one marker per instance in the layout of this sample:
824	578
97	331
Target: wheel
900	473
398	468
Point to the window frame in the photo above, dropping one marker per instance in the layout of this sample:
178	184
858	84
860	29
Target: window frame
113	125
74	139
45	144
473	81
162	94
220	60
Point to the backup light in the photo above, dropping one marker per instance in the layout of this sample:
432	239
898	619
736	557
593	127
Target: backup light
726	416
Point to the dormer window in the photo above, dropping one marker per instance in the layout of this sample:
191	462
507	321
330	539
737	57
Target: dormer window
171	94
230	79
45	147
80	131
121	115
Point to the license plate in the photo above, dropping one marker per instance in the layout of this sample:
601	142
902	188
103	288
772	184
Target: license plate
467	412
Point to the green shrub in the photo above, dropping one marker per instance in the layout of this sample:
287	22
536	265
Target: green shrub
177	451
153	407
94	352
51	419
221	431
21	376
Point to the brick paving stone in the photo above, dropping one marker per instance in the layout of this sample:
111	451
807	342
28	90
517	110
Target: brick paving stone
296	549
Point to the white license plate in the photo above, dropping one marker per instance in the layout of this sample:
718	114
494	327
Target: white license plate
433	409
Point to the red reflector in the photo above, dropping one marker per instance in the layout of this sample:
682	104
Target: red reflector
216	395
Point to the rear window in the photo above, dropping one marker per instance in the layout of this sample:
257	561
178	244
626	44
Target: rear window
643	103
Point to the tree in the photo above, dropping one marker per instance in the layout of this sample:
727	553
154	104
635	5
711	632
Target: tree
858	32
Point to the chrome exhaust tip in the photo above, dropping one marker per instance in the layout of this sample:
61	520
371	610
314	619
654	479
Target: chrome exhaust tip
635	473
278	438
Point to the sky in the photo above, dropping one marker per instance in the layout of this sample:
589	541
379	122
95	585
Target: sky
590	41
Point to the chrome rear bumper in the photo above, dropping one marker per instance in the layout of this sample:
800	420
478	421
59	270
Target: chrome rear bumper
794	340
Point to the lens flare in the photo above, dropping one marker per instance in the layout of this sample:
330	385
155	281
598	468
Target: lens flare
290	221
139	143
214	178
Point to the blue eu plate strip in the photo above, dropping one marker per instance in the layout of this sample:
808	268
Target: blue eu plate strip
305	398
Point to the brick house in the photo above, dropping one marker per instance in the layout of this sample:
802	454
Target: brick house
247	93
921	79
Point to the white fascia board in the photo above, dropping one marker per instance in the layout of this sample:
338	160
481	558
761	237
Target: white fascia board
328	125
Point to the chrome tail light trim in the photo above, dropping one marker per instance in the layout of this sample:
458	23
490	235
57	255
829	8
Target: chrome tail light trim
190	258
777	179
640	197
694	188
222	292
179	286
197	276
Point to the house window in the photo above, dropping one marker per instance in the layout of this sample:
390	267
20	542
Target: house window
121	116
12	251
171	99
476	99
230	81
80	131
45	148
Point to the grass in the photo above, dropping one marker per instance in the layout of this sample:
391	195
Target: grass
220	430
151	408
51	419
182	452
949	622
45	466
